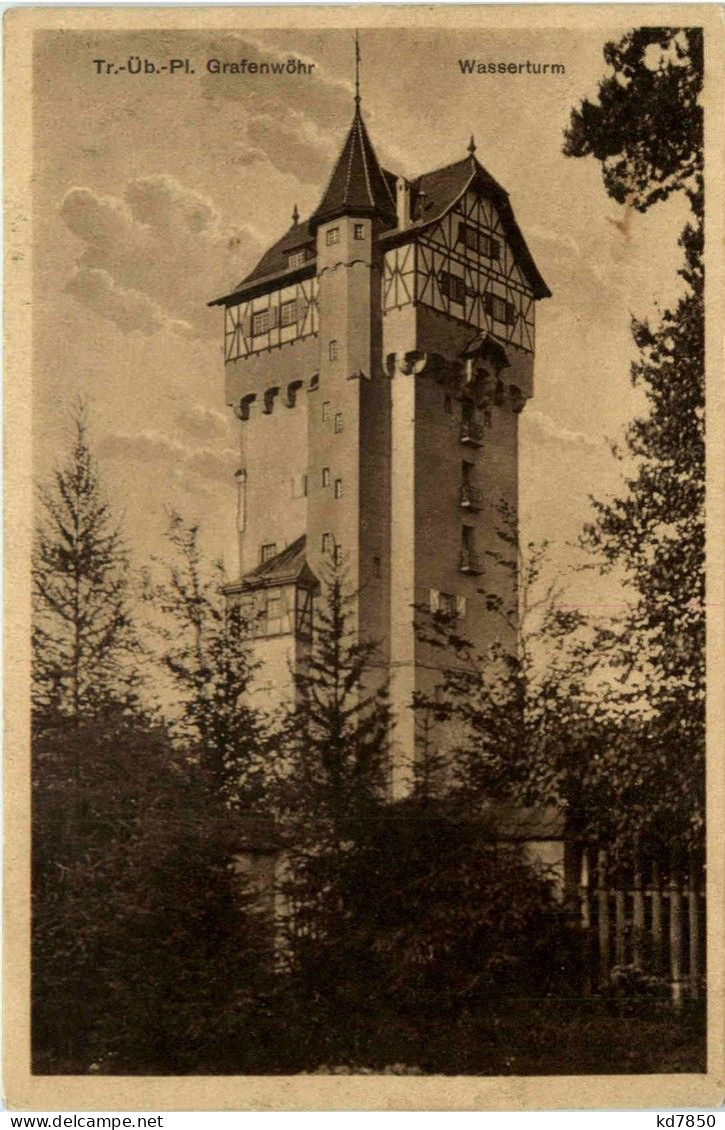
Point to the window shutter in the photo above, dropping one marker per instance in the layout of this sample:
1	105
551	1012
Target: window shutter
461	607
435	600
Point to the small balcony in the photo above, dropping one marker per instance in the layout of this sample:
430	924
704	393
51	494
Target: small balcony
471	498
469	562
471	434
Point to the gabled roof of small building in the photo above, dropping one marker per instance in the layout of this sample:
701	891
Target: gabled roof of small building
286	567
360	186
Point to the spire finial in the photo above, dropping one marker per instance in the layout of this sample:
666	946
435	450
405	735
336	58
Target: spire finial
295	215
472	146
357	68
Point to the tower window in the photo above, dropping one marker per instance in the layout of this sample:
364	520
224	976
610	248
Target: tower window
478	241
261	322
267	551
452	286
447	604
448	404
338	421
274	606
326	410
296	259
337	555
299	486
332	352
359	231
468	562
325	476
333	236
499	309
288	313
327	543
338	488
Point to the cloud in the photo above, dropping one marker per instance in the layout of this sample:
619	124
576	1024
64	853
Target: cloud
542	428
298	135
197	466
204	424
127	309
155	255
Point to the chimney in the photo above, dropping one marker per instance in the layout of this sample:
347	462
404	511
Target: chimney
403	202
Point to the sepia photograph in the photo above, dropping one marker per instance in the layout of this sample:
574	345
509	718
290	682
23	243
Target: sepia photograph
365	696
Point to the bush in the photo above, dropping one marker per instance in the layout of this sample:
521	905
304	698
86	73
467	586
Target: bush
416	920
147	954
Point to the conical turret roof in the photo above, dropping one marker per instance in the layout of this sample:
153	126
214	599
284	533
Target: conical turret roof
358	185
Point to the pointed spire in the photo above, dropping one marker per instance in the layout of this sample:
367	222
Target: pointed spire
357	184
357	69
472	146
295	215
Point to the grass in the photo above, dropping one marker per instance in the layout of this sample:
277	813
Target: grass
543	1037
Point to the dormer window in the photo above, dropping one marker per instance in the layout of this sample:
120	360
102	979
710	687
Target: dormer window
333	236
296	259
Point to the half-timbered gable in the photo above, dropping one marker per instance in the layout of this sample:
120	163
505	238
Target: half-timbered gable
464	256
271	319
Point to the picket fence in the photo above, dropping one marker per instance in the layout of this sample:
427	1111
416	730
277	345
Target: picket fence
643	924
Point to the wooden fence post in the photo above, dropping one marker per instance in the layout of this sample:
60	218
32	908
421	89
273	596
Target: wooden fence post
620	942
603	901
657	920
693	895
675	940
586	922
637	915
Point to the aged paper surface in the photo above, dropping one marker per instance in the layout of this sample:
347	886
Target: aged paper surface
153	156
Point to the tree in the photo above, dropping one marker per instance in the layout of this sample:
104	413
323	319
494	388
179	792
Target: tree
205	651
331	760
148	953
335	739
84	643
646	129
424	926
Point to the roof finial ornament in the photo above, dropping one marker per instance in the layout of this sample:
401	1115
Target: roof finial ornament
295	215
472	146
357	69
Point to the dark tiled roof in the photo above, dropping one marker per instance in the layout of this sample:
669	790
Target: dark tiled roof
274	261
290	564
432	194
358	184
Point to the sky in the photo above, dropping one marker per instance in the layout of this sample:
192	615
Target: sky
154	194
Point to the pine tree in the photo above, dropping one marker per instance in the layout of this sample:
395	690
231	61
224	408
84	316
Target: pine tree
84	642
335	740
646	129
204	648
